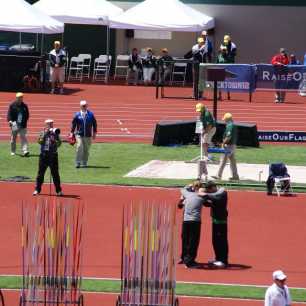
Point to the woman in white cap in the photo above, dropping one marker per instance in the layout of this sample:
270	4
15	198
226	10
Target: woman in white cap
84	125
49	141
278	294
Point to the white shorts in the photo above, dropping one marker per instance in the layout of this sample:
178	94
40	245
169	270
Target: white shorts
207	137
57	74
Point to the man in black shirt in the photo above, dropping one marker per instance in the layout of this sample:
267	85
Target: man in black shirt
135	67
165	63
17	117
216	199
49	141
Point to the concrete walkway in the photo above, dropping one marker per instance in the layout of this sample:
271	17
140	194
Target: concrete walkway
187	170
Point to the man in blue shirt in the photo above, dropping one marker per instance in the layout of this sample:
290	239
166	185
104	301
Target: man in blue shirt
84	125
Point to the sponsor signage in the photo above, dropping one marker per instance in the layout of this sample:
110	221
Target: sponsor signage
277	136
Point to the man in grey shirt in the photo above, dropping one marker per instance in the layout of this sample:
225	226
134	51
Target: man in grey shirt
192	203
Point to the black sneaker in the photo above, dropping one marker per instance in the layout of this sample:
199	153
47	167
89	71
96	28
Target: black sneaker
192	265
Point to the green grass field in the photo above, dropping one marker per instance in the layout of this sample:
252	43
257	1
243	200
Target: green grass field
110	162
226	291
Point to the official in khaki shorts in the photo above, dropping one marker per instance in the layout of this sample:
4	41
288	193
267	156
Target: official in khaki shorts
84	126
57	58
229	143
209	127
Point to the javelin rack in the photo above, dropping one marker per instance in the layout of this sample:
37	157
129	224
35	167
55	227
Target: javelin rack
52	235
149	244
1	299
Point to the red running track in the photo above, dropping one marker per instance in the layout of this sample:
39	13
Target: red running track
265	233
128	113
98	299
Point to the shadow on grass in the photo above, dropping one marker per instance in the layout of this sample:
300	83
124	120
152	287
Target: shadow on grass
96	167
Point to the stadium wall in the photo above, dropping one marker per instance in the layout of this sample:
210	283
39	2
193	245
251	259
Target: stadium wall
259	30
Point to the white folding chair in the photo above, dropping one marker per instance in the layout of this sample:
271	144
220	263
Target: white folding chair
101	68
86	66
76	69
179	70
122	66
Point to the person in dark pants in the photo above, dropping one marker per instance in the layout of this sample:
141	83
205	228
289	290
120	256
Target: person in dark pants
216	199
49	141
191	229
17	117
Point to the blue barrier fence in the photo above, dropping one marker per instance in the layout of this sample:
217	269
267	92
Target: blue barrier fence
249	78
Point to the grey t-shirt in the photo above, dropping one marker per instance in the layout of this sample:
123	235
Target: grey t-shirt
193	204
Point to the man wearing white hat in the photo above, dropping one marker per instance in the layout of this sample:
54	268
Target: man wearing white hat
49	141
84	125
17	117
57	58
278	294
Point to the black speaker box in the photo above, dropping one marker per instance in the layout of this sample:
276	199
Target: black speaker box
183	132
172	133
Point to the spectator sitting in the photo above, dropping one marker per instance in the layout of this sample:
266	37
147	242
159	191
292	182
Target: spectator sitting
166	65
149	65
231	48
293	60
135	67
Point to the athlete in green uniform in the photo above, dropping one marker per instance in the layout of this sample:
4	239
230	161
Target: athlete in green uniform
229	143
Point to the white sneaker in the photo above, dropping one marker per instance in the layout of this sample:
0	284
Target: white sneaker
219	264
52	91
13	153
35	193
61	91
60	194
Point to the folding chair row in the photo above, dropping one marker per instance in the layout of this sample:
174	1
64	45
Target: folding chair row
177	76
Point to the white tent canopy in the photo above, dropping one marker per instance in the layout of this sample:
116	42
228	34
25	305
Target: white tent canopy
168	15
92	12
20	16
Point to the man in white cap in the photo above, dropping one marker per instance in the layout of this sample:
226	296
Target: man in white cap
49	141
278	294
84	125
57	58
229	144
17	117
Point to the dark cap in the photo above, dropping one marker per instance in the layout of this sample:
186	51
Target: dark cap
210	184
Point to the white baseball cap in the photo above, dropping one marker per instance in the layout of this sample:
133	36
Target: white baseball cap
83	102
279	275
49	121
